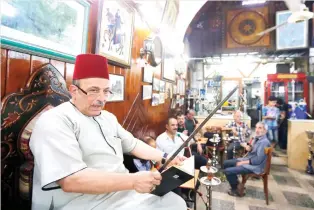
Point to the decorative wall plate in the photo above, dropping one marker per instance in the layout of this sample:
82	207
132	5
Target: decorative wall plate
243	25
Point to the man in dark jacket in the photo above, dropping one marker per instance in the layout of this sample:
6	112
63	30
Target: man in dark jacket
254	162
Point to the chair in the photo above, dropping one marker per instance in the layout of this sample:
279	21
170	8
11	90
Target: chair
45	89
264	176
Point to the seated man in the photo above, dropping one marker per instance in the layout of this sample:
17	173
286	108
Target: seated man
78	152
254	162
181	124
239	129
171	140
190	122
196	147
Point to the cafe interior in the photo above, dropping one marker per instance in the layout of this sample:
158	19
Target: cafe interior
205	60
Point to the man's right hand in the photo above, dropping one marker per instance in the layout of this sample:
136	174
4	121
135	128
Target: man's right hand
146	181
248	148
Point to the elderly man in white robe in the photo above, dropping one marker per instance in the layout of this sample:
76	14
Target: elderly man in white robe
78	151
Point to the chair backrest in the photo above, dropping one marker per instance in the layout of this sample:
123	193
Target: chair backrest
45	89
268	152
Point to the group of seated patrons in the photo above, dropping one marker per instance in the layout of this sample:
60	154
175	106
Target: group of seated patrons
179	127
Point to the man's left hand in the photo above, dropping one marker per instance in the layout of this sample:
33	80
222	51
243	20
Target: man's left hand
242	163
199	148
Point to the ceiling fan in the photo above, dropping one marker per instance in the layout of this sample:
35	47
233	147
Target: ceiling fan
299	13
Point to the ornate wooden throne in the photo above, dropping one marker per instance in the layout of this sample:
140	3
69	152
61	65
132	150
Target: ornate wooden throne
45	89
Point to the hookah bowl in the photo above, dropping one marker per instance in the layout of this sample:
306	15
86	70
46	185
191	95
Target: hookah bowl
309	167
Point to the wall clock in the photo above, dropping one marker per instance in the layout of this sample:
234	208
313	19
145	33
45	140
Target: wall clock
154	50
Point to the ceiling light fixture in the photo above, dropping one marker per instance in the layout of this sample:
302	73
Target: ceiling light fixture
249	2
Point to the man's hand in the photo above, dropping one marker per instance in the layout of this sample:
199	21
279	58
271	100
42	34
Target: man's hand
199	148
243	163
243	131
146	181
248	148
234	131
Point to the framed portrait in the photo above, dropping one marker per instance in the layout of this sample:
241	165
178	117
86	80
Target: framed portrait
168	68
53	29
156	84
155	99
147	92
115	31
148	74
117	87
162	86
292	35
170	13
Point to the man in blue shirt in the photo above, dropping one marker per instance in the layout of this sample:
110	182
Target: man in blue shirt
271	115
254	162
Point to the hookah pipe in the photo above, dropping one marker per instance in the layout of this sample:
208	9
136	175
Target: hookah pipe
186	142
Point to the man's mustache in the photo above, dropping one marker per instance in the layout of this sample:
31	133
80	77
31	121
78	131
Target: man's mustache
99	103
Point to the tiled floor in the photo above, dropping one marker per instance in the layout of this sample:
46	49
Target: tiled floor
288	190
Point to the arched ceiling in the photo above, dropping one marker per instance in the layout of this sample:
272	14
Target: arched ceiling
205	35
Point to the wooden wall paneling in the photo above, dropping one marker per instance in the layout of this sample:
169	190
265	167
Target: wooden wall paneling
69	68
18	71
60	65
3	71
36	62
92	26
145	117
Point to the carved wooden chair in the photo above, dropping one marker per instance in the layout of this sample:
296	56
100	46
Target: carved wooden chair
264	176
46	88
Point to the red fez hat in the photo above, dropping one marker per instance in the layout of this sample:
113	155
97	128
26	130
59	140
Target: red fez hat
90	66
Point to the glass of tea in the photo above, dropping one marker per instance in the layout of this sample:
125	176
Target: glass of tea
210	175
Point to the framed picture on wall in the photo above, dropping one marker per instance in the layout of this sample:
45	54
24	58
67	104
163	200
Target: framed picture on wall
155	99
292	35
147	92
117	87
168	68
156	84
115	31
54	29
171	12
161	98
148	74
162	86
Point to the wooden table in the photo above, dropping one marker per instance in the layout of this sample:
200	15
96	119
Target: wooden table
202	140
